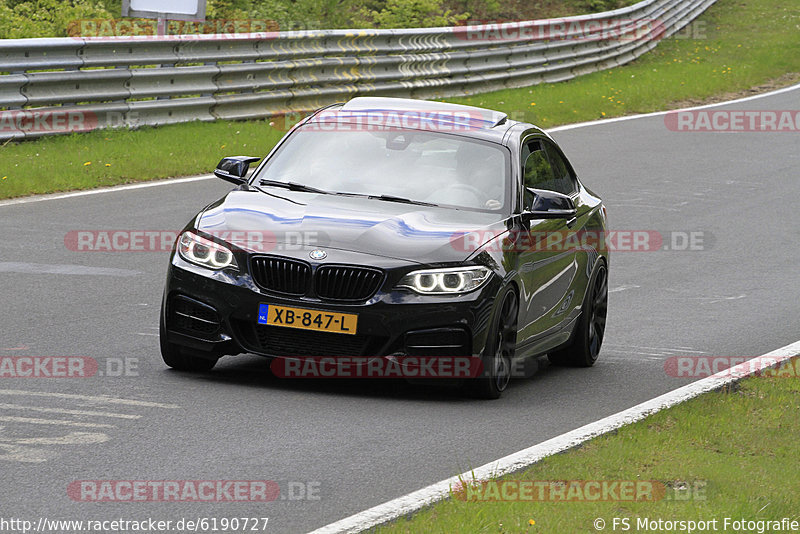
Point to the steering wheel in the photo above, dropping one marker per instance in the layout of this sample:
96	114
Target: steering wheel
468	188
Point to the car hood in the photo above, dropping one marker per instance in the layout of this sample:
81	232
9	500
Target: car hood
390	229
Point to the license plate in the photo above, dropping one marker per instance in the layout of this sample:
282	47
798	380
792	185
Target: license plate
324	321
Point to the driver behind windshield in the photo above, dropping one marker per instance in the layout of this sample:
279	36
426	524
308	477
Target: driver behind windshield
478	178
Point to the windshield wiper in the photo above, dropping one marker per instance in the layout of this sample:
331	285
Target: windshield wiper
403	200
294	186
259	189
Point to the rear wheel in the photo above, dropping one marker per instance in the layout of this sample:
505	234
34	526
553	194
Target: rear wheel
588	337
499	352
175	357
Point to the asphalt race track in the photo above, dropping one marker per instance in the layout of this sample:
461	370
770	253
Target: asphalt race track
355	444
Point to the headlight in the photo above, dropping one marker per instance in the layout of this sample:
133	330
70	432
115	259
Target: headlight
201	251
446	281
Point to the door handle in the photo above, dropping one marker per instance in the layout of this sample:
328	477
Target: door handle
571	222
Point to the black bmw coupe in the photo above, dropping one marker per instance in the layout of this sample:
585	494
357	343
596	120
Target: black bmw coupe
386	228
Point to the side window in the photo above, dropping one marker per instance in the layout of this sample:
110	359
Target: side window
565	182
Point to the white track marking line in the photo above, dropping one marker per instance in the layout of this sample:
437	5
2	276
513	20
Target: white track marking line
63	269
58	422
171	181
679	350
73	438
101	190
708	300
18	453
413	501
636	352
68	412
660	113
628	360
90	398
623	288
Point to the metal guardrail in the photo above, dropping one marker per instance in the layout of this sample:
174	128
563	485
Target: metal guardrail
161	80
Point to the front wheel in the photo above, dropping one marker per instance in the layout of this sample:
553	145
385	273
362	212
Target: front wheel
499	352
584	348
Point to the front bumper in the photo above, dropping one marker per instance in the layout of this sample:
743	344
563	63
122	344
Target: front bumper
214	313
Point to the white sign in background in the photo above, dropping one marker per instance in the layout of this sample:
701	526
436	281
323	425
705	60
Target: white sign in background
183	7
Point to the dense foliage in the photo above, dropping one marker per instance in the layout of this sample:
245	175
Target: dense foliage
54	18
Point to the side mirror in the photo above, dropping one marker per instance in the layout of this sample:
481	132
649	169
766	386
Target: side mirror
549	205
234	168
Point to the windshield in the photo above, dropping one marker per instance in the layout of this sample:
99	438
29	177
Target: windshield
432	167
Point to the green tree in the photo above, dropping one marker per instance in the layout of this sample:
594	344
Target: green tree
21	19
409	14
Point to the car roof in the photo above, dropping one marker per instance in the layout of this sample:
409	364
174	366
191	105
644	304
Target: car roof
468	121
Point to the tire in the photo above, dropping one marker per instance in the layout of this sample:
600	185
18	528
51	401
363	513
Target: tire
175	357
498	354
584	346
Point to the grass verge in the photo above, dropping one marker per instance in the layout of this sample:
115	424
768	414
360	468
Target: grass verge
735	46
728	454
